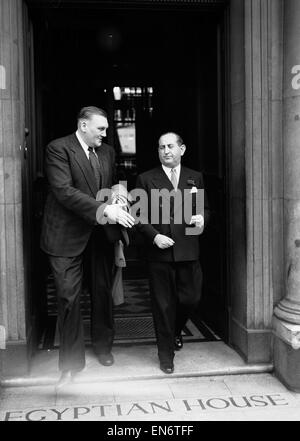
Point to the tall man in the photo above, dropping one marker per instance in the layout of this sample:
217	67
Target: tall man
175	274
77	166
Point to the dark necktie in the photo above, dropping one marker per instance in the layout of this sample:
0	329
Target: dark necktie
94	161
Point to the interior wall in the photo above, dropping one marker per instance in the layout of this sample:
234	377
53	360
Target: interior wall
176	54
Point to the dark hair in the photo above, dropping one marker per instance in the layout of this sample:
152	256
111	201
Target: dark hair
88	112
178	137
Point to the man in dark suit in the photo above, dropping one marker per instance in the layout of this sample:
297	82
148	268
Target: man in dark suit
77	166
175	274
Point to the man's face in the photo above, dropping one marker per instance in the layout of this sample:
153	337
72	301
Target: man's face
169	151
94	129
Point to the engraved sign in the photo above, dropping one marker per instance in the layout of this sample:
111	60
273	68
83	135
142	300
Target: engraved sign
199	407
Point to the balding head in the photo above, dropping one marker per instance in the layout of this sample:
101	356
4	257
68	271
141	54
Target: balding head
170	149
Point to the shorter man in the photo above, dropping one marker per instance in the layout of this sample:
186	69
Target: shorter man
175	274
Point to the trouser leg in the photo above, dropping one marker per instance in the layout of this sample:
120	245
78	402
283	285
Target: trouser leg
163	299
67	273
189	288
102	320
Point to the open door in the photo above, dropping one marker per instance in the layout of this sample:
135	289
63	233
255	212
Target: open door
214	304
166	64
32	199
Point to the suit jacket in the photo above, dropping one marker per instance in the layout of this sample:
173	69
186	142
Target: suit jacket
71	206
186	247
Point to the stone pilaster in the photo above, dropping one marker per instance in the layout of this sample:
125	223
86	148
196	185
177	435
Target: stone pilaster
255	111
287	311
12	291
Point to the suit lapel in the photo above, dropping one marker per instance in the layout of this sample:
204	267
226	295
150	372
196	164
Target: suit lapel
104	165
83	163
182	184
161	180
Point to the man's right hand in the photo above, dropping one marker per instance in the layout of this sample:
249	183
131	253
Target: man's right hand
163	241
116	214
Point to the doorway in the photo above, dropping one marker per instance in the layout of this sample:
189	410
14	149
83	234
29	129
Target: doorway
154	70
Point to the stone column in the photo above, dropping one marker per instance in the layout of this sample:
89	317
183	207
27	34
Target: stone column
13	358
287	312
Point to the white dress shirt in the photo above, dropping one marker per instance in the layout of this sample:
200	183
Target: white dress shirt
83	145
167	170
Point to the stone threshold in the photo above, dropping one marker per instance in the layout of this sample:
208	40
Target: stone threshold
52	380
133	363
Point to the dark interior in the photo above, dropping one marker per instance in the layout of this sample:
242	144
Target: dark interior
82	53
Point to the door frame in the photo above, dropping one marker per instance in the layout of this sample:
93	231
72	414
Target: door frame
253	125
215	7
250	302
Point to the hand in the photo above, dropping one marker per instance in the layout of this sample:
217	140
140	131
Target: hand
120	193
115	213
197	220
163	241
118	199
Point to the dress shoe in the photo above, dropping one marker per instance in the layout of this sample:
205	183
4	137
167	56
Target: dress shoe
167	368
178	343
106	359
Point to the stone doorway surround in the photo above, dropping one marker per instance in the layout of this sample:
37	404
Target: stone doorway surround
254	136
263	184
255	186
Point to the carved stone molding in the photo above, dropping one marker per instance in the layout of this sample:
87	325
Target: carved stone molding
12	302
254	157
288	309
13	360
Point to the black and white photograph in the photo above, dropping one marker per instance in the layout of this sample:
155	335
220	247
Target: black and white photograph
149	213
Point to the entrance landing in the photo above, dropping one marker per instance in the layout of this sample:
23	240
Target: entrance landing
140	362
